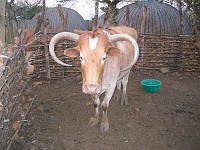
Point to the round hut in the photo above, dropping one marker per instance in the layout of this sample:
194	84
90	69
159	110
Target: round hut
151	17
61	18
57	19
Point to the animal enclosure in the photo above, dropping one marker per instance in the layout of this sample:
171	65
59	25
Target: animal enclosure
157	52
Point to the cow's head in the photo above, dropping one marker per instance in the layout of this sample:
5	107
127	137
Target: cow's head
92	48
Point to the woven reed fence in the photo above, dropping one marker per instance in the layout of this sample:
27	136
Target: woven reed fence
15	100
157	52
176	52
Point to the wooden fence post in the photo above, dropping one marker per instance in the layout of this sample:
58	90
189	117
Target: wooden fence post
2	25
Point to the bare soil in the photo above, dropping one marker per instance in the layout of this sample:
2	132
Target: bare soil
166	120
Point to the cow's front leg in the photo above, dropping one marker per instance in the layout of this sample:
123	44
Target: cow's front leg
104	126
95	119
124	99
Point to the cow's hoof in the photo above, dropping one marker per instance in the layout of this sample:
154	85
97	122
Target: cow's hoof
93	121
124	99
104	127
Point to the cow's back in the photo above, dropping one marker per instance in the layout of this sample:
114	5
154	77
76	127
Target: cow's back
123	29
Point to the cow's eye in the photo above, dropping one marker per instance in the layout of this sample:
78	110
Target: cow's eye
103	59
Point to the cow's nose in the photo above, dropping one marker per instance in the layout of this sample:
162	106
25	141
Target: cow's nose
91	89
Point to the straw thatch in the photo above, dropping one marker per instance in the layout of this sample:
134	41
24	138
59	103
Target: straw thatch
153	16
73	19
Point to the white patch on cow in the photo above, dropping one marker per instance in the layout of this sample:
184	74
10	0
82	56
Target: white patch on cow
93	42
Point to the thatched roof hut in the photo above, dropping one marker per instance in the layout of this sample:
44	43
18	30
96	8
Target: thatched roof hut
151	17
59	19
73	20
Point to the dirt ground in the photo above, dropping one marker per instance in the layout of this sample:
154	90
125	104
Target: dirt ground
167	120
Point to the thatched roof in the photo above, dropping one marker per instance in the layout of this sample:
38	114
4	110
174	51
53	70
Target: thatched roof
73	19
161	18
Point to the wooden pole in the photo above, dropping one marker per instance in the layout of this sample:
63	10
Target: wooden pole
181	16
142	28
11	24
2	25
127	16
95	20
63	18
47	67
144	16
40	19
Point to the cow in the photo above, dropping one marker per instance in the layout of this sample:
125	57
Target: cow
107	56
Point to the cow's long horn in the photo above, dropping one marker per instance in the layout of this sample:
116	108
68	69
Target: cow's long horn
125	37
55	39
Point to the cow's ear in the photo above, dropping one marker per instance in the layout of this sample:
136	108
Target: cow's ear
113	51
72	52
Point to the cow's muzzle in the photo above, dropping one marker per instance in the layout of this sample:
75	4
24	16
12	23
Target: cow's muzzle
91	89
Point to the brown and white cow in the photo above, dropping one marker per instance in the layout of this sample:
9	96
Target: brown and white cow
107	56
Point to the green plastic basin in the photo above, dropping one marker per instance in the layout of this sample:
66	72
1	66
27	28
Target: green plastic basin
151	85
